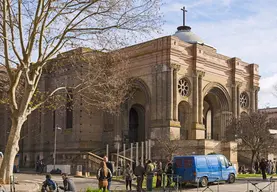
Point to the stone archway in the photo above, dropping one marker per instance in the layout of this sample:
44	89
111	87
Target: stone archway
185	119
136	131
134	122
216	112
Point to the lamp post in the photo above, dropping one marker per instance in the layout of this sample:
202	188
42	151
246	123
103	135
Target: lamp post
55	146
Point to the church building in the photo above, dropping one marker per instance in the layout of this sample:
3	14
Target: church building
186	90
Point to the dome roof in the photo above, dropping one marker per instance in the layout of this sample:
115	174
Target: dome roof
184	33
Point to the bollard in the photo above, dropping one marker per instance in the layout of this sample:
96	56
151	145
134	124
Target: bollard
12	186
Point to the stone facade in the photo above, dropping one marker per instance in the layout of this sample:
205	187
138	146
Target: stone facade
186	90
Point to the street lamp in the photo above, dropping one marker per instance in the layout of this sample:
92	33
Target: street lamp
55	146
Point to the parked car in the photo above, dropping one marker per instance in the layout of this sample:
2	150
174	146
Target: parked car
203	169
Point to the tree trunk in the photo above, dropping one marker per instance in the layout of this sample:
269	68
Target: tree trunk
11	150
252	159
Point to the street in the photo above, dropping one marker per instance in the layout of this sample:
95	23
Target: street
84	183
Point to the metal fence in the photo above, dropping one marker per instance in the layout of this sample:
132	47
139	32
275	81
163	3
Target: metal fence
254	186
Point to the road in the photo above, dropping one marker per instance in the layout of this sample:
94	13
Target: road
84	183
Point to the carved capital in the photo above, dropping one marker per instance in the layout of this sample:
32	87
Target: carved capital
200	73
175	66
256	88
238	84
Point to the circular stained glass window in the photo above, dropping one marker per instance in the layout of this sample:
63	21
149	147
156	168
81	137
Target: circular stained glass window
184	87
243	100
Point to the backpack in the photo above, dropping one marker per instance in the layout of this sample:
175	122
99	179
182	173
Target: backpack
52	185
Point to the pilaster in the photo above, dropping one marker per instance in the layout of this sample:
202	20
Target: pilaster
238	86
198	130
175	68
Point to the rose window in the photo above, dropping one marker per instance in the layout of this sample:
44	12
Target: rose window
183	87
243	100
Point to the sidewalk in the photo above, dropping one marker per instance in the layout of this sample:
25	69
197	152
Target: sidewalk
23	187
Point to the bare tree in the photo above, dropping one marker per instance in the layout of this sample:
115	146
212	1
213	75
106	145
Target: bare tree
252	133
168	146
33	32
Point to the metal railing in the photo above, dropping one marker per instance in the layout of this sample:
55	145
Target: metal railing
261	186
170	182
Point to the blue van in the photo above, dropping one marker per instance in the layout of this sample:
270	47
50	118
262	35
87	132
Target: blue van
204	169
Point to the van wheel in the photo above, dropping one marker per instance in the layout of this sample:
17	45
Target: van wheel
203	182
232	178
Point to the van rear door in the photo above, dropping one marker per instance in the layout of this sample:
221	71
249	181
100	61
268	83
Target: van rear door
189	168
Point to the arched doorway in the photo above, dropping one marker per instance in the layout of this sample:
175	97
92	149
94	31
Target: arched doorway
184	116
216	113
136	123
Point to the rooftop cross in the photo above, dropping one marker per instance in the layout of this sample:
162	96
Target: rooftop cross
184	15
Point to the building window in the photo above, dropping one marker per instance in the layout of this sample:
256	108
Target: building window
184	87
244	100
69	109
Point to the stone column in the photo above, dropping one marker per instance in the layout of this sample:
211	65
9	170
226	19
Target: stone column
195	98
238	98
198	131
252	100
201	74
225	117
234	99
175	68
256	91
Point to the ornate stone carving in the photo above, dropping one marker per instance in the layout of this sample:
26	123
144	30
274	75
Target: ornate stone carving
200	73
244	100
256	88
184	87
174	66
238	83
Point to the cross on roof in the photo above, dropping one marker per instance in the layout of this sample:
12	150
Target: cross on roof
184	15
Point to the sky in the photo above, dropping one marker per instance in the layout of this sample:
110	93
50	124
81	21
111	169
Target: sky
246	29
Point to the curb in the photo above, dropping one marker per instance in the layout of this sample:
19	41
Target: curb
256	179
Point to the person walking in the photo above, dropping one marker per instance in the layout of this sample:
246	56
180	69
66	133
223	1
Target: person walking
128	173
159	171
68	184
103	175
110	167
263	166
139	173
168	172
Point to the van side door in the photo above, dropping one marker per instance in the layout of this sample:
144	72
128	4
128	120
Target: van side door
224	168
214	168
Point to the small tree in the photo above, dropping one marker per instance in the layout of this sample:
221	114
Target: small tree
167	146
252	133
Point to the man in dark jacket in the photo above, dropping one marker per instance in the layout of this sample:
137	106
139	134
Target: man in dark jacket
263	166
68	184
49	184
110	167
139	173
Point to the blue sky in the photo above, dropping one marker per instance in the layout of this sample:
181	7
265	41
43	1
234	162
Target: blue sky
237	28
